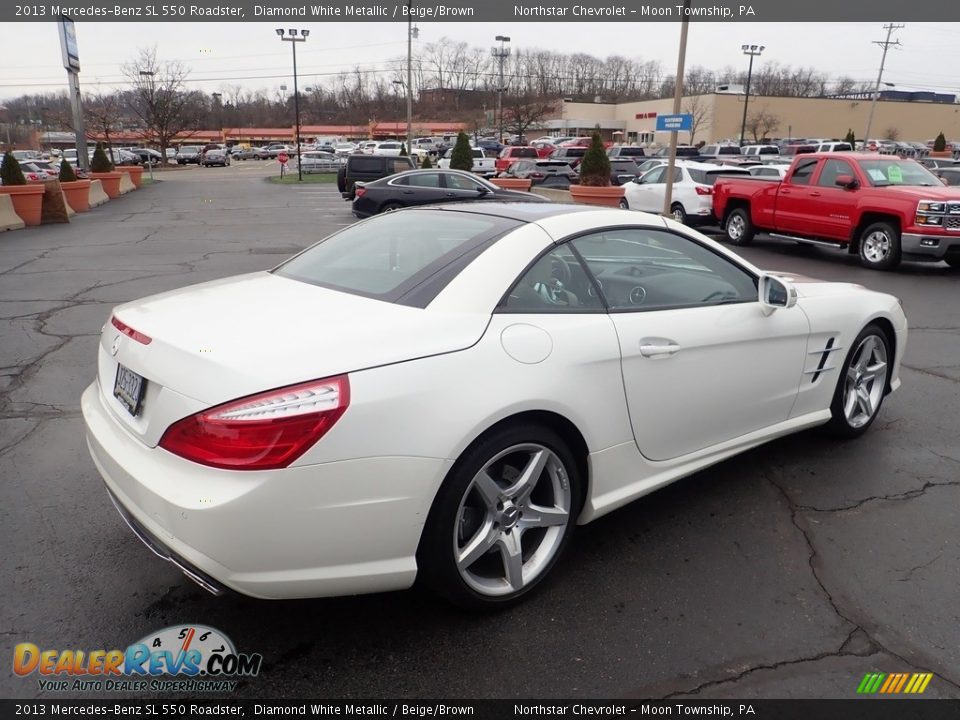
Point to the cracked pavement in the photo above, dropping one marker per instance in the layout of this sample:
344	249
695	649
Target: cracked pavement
790	571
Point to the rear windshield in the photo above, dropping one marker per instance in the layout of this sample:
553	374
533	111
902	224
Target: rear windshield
728	150
709	177
574	151
388	256
630	151
687	151
523	152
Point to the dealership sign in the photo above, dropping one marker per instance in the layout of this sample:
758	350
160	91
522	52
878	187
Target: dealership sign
672	123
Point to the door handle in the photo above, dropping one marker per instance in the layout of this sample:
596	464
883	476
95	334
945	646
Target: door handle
450	194
784	191
408	192
652	347
814	194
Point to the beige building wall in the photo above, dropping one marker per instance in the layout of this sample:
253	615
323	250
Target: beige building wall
722	115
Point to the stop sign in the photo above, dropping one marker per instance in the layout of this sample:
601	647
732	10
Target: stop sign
282	158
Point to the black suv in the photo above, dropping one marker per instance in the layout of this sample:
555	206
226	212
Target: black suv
367	168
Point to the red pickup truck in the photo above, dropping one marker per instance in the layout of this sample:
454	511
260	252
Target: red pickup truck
880	207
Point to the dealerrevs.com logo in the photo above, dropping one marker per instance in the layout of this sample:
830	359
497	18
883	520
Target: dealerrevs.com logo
180	658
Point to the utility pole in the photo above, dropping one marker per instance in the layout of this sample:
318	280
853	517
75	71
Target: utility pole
411	32
883	60
677	99
501	54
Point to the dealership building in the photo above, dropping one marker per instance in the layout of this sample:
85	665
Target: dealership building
916	116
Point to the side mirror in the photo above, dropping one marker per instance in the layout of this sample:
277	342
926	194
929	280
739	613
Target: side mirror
846	181
775	292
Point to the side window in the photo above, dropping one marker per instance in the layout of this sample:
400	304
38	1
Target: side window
803	172
643	269
555	283
654	176
458	182
425	180
832	169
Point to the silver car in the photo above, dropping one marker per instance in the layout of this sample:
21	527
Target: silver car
317	161
215	156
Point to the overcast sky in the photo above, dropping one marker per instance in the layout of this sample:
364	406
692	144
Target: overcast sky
251	55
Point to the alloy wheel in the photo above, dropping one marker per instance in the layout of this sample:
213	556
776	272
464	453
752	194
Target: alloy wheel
735	227
512	519
877	246
865	381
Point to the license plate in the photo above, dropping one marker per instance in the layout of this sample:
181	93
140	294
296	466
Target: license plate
128	389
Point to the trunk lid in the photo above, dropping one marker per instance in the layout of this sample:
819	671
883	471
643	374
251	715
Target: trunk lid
226	339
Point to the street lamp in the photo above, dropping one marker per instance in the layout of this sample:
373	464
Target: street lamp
218	101
752	51
501	54
292	38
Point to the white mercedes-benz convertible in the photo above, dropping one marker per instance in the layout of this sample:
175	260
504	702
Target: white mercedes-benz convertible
445	392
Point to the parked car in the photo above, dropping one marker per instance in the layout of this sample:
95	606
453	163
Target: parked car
717	151
933	163
317	161
778	171
834	147
687	152
880	208
387	406
492	147
623	170
571	154
189	154
543	148
215	156
950	174
147	156
757	151
37	170
692	194
626	151
484	164
430	187
545	173
511	153
367	168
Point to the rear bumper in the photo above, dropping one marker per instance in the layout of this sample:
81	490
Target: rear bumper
930	247
338	528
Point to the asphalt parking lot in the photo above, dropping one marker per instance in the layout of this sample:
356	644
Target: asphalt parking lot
790	571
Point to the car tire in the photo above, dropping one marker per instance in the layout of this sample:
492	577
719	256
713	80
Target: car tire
256	157
879	246
504	520
861	384
739	227
679	213
342	179
624	204
953	262
390	207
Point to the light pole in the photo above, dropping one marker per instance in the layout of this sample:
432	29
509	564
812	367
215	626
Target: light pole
753	51
501	54
412	33
293	39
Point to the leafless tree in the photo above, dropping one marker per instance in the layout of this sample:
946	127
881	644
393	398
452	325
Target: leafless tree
104	111
891	133
698	108
522	113
160	99
762	122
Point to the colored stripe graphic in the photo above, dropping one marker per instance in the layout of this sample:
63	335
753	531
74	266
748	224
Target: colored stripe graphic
894	683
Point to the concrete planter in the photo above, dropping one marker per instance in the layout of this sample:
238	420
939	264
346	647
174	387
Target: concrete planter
135	172
27	201
77	194
609	196
110	181
512	183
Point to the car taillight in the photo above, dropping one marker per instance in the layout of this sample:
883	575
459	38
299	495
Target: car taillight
261	432
704	190
130	332
537	175
360	191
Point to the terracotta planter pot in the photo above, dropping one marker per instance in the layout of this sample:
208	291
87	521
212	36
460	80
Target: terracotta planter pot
27	201
110	181
77	194
941	153
589	195
512	183
135	172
